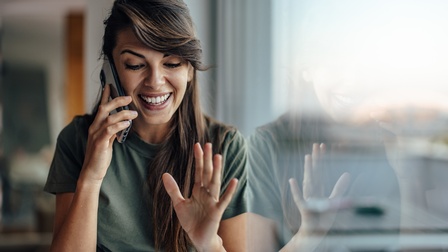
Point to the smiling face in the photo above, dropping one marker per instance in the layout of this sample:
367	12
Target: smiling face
341	89
156	82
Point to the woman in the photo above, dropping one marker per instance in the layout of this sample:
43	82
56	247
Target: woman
116	197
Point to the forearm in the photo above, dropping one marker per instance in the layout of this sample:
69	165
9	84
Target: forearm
233	233
78	231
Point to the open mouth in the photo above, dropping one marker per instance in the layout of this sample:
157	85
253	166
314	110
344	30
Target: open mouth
343	100
342	105
155	100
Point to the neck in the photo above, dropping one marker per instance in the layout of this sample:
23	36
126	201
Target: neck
153	134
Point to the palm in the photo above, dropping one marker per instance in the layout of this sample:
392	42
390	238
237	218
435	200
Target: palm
313	192
201	214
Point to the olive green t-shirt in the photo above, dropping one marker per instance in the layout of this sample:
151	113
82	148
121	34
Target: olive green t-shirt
276	153
124	213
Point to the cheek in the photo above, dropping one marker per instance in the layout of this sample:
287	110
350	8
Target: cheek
180	91
128	87
179	82
124	78
130	83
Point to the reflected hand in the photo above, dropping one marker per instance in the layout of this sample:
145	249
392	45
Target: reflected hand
313	190
201	214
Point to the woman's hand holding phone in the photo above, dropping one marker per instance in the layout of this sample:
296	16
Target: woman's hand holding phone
103	132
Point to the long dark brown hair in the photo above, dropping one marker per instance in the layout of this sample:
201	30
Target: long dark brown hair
166	26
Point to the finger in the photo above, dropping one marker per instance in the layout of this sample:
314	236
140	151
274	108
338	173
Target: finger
319	171
113	124
101	113
172	189
225	199
105	109
111	131
105	95
307	177
296	193
125	115
315	155
199	163
215	183
323	149
341	185
117	103
208	165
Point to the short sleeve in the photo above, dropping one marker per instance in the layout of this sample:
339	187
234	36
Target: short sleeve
68	158
234	154
264	197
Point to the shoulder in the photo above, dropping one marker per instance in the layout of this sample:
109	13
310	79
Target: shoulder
224	135
69	156
214	126
76	130
79	125
273	132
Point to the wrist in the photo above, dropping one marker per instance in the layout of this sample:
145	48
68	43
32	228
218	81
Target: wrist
215	245
86	183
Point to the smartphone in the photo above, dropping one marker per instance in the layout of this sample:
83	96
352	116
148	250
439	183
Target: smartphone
108	75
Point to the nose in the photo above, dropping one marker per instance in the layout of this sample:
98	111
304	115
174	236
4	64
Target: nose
155	78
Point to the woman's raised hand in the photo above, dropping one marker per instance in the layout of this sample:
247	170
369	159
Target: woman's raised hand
201	214
102	134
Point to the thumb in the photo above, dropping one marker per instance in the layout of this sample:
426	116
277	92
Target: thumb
341	185
172	189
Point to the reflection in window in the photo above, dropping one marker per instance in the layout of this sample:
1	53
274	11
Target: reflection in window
367	79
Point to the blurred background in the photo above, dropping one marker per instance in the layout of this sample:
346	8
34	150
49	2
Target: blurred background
41	62
262	53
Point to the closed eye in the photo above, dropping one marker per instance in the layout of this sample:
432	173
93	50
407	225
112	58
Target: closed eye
134	67
171	65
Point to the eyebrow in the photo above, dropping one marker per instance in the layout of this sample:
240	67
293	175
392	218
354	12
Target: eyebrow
138	54
133	53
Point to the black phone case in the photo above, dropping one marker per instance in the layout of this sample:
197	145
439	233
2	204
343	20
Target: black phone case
108	75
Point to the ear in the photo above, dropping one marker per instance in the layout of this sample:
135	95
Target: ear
190	72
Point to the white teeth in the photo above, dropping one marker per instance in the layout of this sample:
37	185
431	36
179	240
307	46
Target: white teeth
156	100
343	99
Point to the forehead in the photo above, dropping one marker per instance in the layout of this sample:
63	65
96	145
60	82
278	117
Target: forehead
127	38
